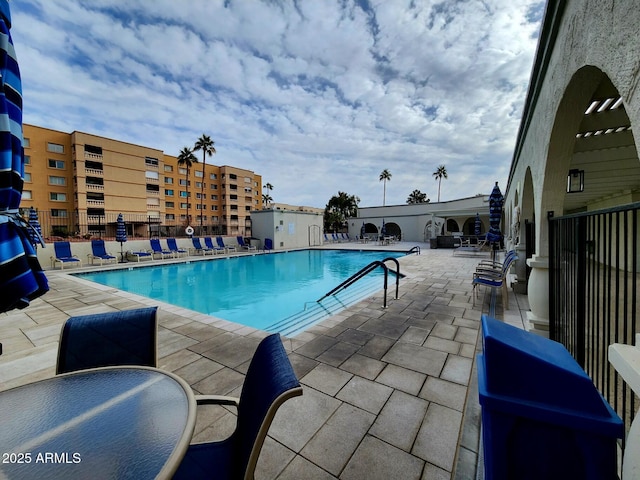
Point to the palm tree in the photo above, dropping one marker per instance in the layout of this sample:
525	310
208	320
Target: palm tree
417	197
384	176
187	158
205	144
439	174
266	198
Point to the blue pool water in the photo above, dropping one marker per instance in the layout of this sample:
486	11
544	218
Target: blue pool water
256	291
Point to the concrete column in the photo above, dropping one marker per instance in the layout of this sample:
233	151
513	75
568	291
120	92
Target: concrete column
538	293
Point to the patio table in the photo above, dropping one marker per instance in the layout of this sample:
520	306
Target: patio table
108	423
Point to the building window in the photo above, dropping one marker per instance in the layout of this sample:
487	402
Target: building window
27	177
151	175
214	207
59	164
233	207
213	187
170	216
90	165
26	142
168	192
233	197
57	180
247	179
168	180
198	184
184	182
214	197
200	196
182	171
233	187
27	159
58	213
168	168
183	194
26	194
170	204
152	188
198	173
213	176
233	176
204	207
183	206
57	197
55	148
93	149
152	162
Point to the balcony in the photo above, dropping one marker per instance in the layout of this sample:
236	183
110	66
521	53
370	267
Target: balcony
93	172
92	156
95	187
94	202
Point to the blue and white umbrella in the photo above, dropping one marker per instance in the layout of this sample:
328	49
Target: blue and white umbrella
496	200
35	231
121	234
21	276
477	225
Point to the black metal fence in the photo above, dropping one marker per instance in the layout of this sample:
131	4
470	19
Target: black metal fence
83	225
593	293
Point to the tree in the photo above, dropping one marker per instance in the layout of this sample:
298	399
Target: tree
384	176
417	197
266	198
439	174
205	144
338	209
187	158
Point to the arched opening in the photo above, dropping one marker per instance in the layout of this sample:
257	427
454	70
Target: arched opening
393	229
370	228
452	225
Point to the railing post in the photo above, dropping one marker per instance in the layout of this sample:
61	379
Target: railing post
581	285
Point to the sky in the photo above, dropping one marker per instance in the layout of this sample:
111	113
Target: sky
317	96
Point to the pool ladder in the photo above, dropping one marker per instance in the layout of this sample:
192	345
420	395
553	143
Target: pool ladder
365	271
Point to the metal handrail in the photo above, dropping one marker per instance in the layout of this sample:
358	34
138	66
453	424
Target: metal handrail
415	249
364	271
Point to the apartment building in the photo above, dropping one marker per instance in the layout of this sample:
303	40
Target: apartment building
79	183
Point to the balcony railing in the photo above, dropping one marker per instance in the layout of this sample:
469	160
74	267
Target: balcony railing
92	156
593	293
94	171
94	186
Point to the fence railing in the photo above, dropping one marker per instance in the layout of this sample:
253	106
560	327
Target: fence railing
83	225
593	293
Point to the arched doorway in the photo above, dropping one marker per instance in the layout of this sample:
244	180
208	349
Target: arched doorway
393	229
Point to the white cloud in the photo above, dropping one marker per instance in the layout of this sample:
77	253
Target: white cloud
317	97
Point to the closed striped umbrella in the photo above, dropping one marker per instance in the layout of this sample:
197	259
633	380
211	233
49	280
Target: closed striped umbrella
495	215
21	276
35	231
121	234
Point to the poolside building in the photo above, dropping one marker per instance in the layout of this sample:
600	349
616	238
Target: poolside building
79	183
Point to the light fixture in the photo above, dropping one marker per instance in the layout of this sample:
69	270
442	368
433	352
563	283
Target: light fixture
575	181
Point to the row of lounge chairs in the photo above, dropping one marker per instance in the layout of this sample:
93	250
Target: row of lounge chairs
338	238
65	257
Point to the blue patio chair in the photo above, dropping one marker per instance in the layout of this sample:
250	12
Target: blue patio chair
270	381
128	337
208	241
173	248
199	249
137	256
268	244
244	245
494	279
157	249
64	256
227	248
99	252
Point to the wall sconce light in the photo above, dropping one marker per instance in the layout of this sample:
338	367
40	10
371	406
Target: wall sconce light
575	181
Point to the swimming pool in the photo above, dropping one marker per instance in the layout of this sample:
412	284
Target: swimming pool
257	291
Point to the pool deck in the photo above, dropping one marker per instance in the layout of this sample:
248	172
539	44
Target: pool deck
388	393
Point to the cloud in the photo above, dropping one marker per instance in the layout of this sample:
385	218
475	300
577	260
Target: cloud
317	97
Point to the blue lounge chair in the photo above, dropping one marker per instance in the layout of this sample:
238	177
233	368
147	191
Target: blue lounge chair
173	247
128	337
199	249
268	244
99	252
64	256
494	279
227	248
243	244
156	249
137	256
270	381
208	241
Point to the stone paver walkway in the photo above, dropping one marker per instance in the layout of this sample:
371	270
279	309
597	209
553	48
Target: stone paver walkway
388	393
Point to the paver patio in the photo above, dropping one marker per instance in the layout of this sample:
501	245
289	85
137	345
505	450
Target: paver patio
388	393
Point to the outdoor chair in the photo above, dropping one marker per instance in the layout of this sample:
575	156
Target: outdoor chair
157	249
494	280
127	337
100	253
270	381
268	244
199	249
137	256
493	266
208	241
244	245
64	256
173	248
227	248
